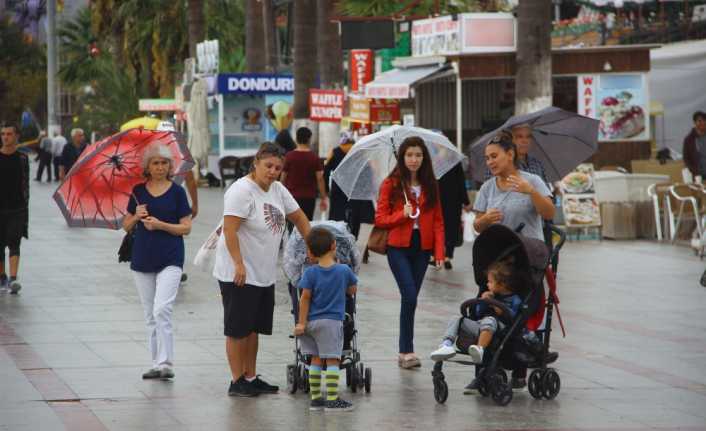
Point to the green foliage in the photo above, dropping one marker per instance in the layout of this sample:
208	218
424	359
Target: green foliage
425	7
78	67
225	21
22	75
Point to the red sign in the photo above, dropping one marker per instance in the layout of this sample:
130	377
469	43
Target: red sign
384	111
325	105
361	67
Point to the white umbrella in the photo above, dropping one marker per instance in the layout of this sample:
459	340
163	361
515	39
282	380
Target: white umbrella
373	157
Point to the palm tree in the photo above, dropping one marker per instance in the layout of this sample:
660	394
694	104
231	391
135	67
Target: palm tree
225	21
424	8
197	27
305	63
533	82
254	37
79	49
330	58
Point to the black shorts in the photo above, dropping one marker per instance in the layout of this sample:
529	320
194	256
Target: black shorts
247	309
12	228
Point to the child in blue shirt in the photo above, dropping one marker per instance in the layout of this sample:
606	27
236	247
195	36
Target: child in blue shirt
321	314
500	288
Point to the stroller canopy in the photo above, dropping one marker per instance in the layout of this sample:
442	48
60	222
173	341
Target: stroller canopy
295	260
497	242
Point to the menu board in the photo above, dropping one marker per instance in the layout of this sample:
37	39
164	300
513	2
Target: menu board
579	203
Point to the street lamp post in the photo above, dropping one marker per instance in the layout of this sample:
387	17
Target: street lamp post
52	125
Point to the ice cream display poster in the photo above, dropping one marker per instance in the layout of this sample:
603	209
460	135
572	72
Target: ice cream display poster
620	102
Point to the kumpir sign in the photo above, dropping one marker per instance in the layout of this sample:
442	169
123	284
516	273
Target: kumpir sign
255	83
325	105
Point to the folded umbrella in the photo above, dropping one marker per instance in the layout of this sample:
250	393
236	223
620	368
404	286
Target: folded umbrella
96	190
561	141
373	157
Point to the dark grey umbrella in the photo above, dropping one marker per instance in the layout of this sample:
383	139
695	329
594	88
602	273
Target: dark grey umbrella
562	140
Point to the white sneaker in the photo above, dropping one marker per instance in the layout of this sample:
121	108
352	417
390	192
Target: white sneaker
443	353
476	353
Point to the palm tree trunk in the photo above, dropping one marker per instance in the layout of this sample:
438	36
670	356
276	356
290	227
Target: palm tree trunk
330	58
254	37
305	62
268	24
533	82
196	25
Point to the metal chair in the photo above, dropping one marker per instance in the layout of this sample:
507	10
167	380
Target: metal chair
684	195
228	167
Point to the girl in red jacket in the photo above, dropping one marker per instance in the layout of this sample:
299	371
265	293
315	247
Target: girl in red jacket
408	206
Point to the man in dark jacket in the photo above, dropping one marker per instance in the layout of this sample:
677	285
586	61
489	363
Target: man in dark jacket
14	202
695	146
71	152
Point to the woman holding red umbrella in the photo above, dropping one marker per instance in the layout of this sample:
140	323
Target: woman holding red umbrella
159	212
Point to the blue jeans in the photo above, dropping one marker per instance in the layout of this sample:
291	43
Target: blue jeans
408	265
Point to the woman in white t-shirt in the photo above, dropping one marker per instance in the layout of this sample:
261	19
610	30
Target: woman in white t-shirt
254	211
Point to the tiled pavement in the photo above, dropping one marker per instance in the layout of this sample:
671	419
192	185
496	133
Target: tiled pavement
72	344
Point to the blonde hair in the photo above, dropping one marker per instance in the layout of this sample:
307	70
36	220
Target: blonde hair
157	151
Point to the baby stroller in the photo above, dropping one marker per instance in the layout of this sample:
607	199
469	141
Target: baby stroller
509	348
295	262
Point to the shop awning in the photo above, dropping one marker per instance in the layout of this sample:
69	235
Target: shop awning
396	83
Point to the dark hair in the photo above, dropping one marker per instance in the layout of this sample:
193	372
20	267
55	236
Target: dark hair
697	115
303	135
319	241
504	141
11	126
284	140
425	175
504	274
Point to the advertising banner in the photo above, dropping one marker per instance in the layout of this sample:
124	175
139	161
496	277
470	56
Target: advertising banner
579	204
325	105
620	102
435	36
255	83
361	68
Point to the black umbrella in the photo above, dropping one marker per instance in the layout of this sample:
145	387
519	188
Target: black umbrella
562	140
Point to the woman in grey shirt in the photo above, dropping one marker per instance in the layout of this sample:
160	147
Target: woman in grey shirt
511	197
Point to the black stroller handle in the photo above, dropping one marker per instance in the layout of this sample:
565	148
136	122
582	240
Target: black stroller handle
467	305
562	239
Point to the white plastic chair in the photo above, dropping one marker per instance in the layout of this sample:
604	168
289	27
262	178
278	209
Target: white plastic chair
664	217
689	195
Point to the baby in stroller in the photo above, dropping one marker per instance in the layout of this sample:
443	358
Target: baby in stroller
499	329
501	280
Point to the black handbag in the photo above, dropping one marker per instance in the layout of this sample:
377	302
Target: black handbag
125	250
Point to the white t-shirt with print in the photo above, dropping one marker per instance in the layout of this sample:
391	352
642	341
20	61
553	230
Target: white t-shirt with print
260	232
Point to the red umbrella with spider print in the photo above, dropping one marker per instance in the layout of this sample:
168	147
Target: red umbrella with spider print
96	190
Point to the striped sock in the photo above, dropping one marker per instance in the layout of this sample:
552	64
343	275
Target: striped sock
315	381
331	375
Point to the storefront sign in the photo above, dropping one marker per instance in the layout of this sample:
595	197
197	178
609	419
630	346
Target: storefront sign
619	102
487	32
157	105
435	36
361	68
359	109
325	105
384	111
579	204
387	91
251	83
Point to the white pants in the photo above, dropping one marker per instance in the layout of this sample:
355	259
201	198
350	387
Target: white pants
158	291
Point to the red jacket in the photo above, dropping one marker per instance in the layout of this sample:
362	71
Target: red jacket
391	217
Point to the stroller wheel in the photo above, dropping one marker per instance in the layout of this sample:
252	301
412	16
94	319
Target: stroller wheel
368	379
361	375
535	385
500	391
348	376
354	379
482	383
291	378
302	379
551	384
441	390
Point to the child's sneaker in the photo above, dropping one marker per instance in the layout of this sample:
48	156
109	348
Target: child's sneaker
444	352
471	388
317	404
338	405
476	354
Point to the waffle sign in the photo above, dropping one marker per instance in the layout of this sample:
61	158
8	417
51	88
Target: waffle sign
361	68
325	105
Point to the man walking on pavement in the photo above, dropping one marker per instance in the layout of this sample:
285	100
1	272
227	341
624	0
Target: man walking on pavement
71	152
695	146
59	142
45	156
14	203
